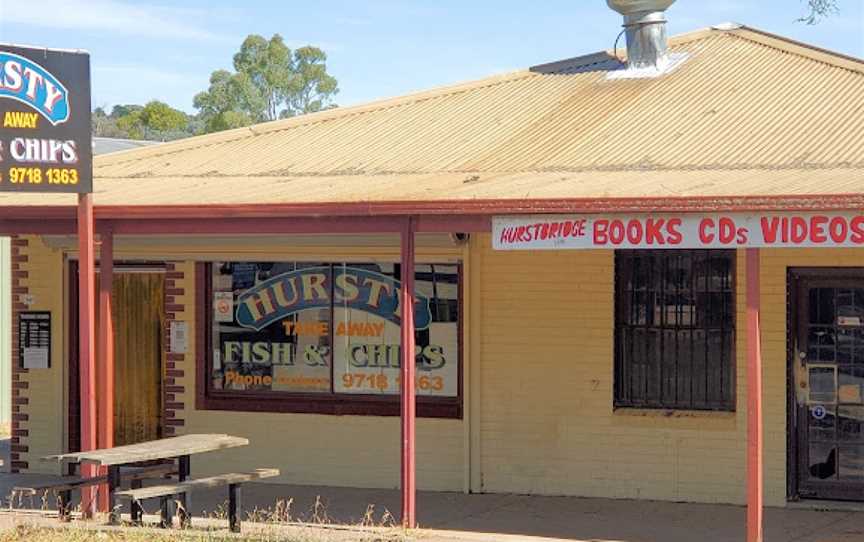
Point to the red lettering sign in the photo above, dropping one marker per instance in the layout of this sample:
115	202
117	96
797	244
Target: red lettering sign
729	230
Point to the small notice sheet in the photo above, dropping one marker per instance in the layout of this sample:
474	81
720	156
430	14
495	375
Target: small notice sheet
34	337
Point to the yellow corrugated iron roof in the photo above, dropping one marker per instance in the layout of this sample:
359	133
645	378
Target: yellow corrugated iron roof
747	114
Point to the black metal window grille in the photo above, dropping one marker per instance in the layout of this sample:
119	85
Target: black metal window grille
675	329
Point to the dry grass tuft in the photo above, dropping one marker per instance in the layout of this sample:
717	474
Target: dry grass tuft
87	534
277	524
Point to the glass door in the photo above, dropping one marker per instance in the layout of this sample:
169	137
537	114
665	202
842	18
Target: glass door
828	368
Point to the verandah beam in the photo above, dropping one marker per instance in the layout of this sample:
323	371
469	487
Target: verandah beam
216	225
754	399
36	226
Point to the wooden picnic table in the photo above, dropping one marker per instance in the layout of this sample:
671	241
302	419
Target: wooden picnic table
166	448
175	448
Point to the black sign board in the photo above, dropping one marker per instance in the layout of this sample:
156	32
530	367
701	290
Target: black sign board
45	141
34	340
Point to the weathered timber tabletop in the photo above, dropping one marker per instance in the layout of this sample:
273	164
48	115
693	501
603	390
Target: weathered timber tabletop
155	449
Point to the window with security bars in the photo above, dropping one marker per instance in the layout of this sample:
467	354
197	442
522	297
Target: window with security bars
675	329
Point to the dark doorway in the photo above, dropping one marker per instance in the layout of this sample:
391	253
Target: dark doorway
827	383
139	317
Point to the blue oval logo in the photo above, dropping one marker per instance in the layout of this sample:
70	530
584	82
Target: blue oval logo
819	412
25	81
353	288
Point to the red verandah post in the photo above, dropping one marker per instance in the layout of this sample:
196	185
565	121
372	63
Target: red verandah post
87	340
408	368
754	400
105	373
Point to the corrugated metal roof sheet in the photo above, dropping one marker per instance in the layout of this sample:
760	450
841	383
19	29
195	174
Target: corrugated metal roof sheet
447	187
104	145
746	114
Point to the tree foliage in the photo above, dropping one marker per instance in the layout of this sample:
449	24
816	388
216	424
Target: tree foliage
270	81
818	10
228	103
161	117
155	121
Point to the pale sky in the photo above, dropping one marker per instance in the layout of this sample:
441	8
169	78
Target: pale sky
377	48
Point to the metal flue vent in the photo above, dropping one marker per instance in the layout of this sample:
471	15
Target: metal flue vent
645	26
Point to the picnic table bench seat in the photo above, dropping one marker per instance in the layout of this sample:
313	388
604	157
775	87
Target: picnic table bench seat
165	491
64	487
178	450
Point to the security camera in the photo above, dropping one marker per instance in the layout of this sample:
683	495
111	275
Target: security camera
459	238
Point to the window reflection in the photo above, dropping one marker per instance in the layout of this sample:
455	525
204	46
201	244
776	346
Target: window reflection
325	328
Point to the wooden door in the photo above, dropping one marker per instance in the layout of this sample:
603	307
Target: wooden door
138	310
828	375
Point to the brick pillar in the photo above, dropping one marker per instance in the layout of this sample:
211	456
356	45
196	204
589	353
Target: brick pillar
175	364
20	386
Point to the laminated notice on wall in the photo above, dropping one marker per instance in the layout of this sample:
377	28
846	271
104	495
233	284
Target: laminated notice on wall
822	382
849	321
179	335
222	282
34	340
223	306
850	393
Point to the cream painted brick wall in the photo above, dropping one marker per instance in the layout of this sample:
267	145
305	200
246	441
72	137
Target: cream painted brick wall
546	418
46	393
350	451
542	415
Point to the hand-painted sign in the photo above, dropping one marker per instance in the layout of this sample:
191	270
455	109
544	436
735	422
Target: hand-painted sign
45	140
682	231
331	328
311	288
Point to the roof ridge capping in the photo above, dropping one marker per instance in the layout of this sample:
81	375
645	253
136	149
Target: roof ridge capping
577	63
784	43
763	37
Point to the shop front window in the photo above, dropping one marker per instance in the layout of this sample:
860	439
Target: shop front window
675	329
326	337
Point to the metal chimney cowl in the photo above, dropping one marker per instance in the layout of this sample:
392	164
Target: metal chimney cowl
645	26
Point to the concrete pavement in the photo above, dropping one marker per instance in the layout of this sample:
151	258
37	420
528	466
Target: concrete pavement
454	516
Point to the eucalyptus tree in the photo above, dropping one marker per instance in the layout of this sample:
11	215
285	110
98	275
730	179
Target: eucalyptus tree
269	82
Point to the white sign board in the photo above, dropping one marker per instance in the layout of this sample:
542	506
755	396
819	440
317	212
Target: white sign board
681	231
35	358
223	306
179	337
34	340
